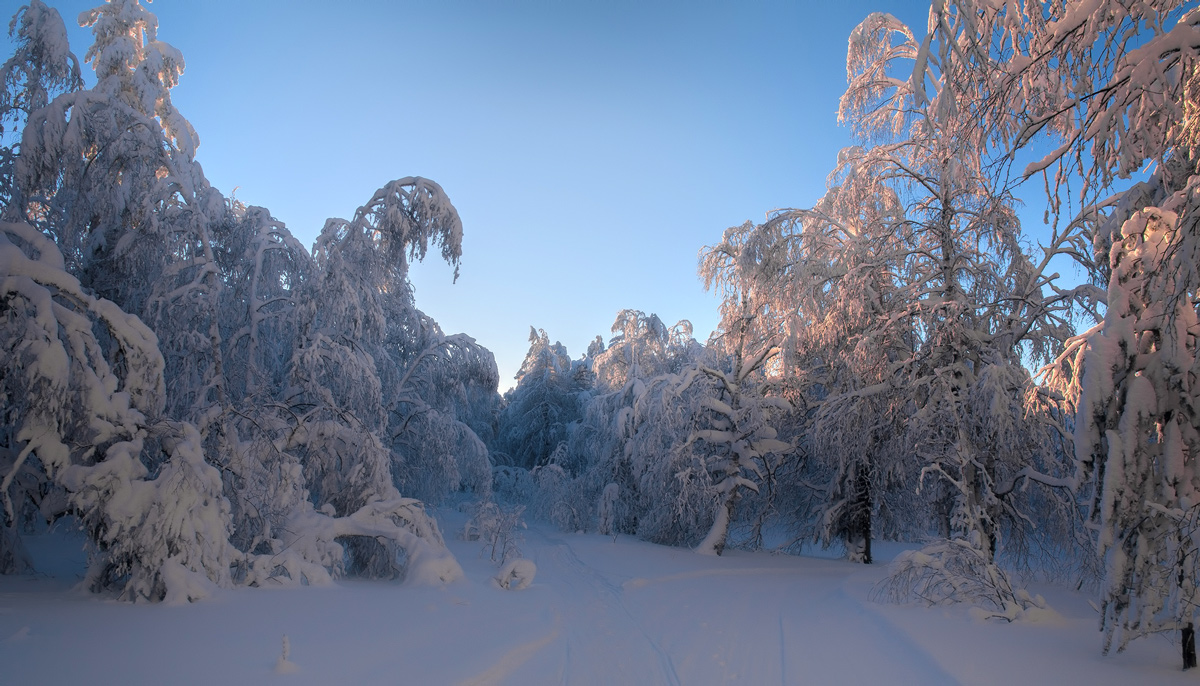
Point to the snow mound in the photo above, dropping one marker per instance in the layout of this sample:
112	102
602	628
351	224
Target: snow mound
283	665
429	565
184	585
516	574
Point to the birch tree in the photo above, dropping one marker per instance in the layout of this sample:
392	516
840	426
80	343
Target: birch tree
1121	97
976	301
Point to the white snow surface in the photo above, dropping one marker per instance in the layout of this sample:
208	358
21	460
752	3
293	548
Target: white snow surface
601	611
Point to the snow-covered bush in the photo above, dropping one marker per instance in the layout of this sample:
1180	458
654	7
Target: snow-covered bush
607	510
165	538
954	571
557	498
516	574
497	527
393	538
283	664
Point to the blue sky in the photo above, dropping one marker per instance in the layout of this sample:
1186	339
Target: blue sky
591	148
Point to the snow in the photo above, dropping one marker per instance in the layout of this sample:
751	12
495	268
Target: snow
283	665
516	574
600	611
344	393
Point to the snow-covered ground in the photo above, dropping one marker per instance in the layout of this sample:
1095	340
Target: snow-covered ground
599	611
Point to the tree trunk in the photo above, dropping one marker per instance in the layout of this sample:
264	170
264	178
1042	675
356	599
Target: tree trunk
943	509
714	542
858	520
14	558
1188	635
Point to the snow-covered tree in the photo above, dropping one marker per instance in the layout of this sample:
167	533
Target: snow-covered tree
1135	441
906	303
637	472
109	172
301	378
1136	435
625	464
739	443
678	451
443	410
546	401
642	346
340	414
976	304
83	393
97	170
823	282
1102	91
262	268
42	67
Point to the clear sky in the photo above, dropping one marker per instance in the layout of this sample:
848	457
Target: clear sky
591	148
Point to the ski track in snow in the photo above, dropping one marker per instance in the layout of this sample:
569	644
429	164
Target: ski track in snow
514	658
818	635
639	583
603	621
782	651
631	631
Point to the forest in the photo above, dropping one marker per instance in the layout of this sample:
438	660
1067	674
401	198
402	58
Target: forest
218	406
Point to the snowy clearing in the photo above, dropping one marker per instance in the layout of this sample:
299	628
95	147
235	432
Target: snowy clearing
599	611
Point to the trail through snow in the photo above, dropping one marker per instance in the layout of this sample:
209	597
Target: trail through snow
600	611
712	626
